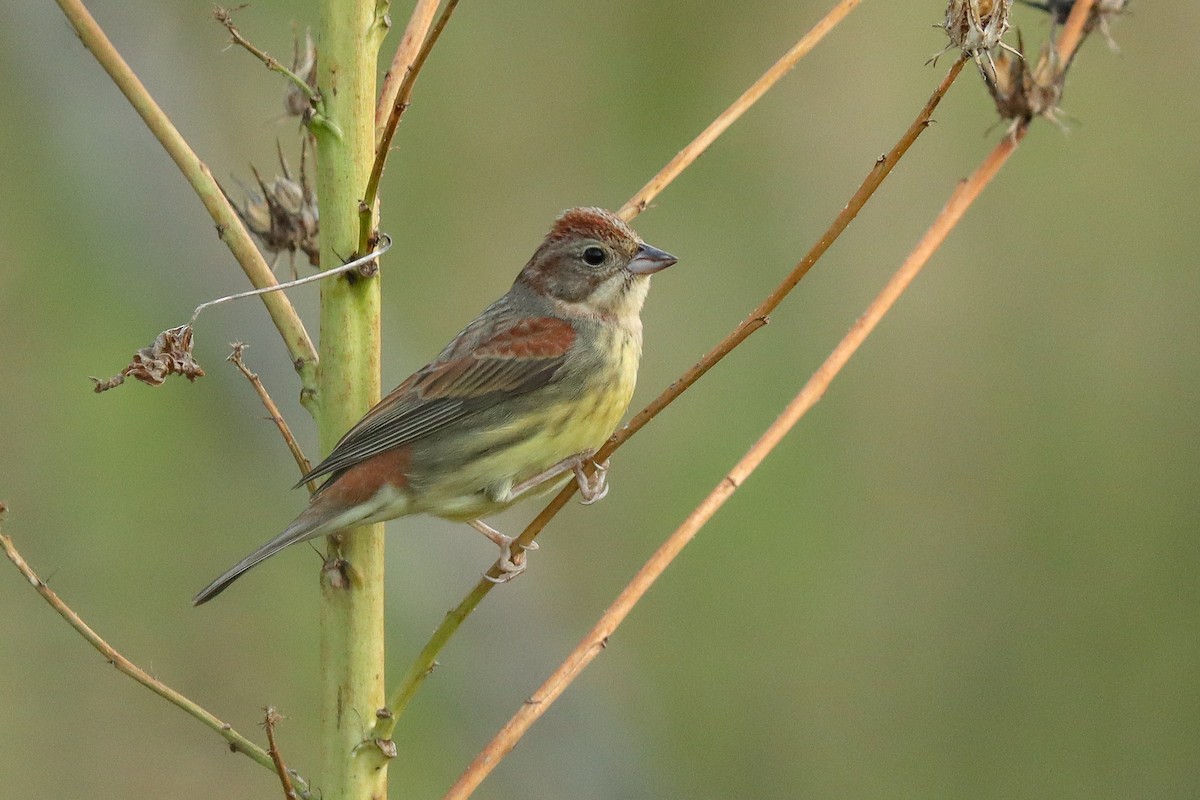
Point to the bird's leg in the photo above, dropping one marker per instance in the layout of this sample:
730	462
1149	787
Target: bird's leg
509	567
592	488
595	487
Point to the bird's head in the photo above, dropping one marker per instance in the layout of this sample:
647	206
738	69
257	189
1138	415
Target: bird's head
592	264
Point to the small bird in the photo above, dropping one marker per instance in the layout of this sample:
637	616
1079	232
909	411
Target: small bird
513	407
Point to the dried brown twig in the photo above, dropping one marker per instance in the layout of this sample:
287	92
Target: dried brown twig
235	358
237	742
812	391
402	61
684	158
225	17
271	718
399	106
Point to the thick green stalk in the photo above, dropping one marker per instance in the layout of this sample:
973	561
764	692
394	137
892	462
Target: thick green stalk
352	588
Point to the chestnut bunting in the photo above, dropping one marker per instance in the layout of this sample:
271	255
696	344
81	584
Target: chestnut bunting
513	407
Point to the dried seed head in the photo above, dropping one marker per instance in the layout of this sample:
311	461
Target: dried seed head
975	26
304	65
283	213
1022	92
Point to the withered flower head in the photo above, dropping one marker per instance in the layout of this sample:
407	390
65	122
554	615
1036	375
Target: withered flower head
283	214
171	354
1022	92
975	26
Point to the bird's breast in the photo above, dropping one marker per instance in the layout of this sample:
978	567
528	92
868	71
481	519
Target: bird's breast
574	413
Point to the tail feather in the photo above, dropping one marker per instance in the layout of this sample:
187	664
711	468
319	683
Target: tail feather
305	527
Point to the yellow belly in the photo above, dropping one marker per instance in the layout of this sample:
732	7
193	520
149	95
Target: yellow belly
540	439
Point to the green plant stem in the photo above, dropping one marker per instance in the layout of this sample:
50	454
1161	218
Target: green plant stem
229	227
352	630
757	318
237	742
426	661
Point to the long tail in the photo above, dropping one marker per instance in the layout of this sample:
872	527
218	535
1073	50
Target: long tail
306	526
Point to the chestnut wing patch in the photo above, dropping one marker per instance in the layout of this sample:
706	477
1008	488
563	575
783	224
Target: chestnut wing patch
473	374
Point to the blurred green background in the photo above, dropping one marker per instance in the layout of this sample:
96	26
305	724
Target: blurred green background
971	571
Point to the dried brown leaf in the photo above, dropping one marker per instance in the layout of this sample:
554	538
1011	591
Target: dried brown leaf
171	354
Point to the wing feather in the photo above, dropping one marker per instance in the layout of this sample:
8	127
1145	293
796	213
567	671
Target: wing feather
495	358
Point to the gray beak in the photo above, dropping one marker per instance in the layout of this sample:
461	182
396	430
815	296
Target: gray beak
650	260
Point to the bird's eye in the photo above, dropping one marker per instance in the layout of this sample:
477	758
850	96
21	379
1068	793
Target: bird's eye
594	256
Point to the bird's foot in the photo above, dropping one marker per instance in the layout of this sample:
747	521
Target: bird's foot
595	486
511	563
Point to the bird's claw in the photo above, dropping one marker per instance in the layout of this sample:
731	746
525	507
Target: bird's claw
595	486
511	564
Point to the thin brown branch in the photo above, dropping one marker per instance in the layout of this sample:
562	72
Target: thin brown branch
271	718
761	315
399	106
237	742
235	358
1074	30
406	53
684	158
225	17
594	642
757	318
229	226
